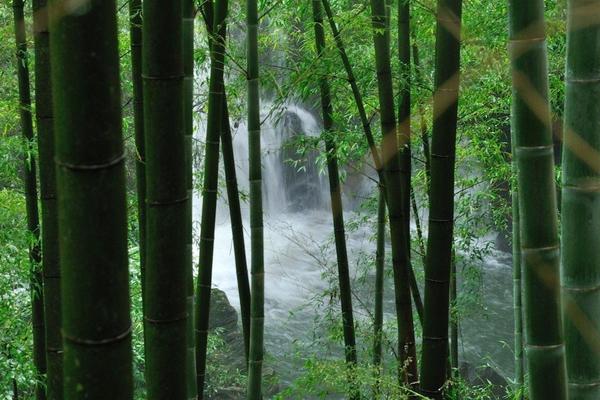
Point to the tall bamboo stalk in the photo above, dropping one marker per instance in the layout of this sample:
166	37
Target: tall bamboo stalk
166	277
233	201
209	195
580	197
188	122
537	203
135	34
422	123
404	125
453	320
379	280
257	271
516	261
31	201
92	208
391	162
237	226
50	254
441	209
366	128
337	210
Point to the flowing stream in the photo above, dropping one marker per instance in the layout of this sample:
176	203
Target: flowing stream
298	229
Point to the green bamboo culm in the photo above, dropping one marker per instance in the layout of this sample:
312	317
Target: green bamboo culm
538	231
580	200
404	130
453	320
337	210
209	188
516	261
165	307
407	363
188	117
441	208
90	171
44	115
257	271
237	227
31	201
135	34
367	129
379	288
233	200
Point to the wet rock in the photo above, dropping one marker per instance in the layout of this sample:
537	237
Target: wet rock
224	317
484	376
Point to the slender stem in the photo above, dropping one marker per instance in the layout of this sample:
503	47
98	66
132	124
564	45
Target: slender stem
337	210
237	227
189	13
31	202
209	195
50	256
407	363
379	275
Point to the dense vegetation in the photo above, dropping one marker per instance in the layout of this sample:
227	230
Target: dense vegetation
426	136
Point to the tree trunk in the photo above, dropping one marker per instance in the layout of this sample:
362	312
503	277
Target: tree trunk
50	253
166	278
257	314
580	200
31	202
537	202
92	208
441	209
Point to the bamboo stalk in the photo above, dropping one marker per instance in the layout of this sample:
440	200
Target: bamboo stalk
31	202
441	210
337	210
537	203
166	277
257	271
188	122
580	197
209	195
407	363
50	253
90	174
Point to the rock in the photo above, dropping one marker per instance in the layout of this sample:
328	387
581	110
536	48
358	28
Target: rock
484	376
223	316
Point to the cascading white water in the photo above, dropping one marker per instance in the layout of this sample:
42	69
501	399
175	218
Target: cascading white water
297	228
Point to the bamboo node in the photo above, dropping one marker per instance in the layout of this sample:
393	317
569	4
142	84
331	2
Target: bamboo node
99	342
176	318
91	167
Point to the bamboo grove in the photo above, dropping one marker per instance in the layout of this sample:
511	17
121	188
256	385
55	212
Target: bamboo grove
201	74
